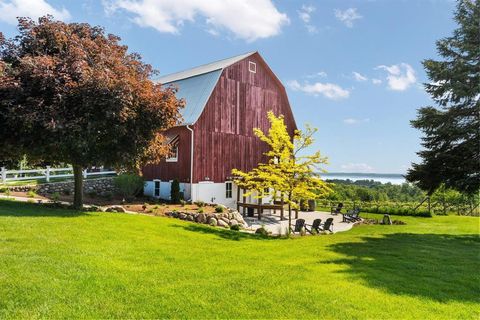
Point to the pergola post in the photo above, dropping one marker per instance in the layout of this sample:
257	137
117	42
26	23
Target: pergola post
281	209
238	198
259	208
244	201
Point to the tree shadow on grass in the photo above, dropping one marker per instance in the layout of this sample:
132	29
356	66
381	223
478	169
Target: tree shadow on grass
11	208
436	266
225	234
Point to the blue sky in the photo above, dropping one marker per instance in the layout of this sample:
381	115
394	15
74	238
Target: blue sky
351	68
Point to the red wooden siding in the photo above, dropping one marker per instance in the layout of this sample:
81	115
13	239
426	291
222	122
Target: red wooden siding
223	134
239	103
173	170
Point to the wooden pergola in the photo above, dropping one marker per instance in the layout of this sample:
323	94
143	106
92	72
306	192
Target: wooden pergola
259	206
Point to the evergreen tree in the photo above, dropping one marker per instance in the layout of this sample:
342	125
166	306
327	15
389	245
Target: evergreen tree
175	192
451	138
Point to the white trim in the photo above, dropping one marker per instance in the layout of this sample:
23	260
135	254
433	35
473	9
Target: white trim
173	158
252	67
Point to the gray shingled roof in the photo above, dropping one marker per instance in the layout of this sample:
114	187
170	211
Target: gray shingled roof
195	85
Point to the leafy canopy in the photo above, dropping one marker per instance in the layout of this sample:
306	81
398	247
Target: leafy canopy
71	93
287	175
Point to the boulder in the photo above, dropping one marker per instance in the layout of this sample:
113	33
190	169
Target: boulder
201	218
212	221
190	218
222	223
226	220
182	216
233	222
116	209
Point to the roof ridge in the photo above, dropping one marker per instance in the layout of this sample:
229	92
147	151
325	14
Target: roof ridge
202	69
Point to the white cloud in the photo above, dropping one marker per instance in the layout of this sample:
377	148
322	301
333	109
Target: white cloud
320	74
347	16
359	77
400	76
328	90
352	121
246	19
305	14
11	9
357	167
376	81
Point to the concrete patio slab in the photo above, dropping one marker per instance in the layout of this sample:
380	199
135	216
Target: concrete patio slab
273	224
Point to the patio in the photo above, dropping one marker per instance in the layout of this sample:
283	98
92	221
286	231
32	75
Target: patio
274	225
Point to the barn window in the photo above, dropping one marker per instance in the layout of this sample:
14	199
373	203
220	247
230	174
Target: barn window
156	188
228	189
174	145
252	67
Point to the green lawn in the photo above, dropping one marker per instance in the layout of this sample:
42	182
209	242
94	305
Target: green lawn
63	264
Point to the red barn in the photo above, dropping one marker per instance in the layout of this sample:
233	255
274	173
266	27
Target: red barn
225	101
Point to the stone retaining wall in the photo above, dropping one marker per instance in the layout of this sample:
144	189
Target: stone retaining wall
101	186
226	219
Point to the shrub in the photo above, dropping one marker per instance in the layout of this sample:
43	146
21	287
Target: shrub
200	210
55	197
262	231
3	189
235	227
175	192
129	185
31	194
219	209
199	203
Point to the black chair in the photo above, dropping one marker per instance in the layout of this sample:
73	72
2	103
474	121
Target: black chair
328	225
298	226
336	210
352	215
316	225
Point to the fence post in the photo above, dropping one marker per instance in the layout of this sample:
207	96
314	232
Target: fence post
47	174
4	174
84	173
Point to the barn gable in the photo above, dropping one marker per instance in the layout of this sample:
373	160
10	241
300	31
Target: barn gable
196	85
224	101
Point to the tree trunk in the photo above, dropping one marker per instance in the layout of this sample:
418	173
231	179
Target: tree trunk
78	190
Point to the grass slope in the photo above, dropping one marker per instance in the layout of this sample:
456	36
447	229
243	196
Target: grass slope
64	264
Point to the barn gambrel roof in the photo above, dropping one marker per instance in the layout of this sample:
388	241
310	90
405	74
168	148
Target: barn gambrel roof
195	85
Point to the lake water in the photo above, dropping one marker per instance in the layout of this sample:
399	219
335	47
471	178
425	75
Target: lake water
393	178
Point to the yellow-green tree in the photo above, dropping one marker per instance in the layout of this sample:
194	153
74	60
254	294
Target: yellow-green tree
288	175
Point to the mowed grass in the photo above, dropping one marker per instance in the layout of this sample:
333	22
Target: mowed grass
64	264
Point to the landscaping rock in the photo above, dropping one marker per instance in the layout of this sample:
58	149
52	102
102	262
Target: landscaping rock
222	223
212	221
201	218
116	209
233	222
182	216
190	218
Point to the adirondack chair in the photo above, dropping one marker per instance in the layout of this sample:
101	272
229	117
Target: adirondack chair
352	215
328	225
316	225
336	210
298	226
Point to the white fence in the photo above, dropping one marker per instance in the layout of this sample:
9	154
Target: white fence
46	174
